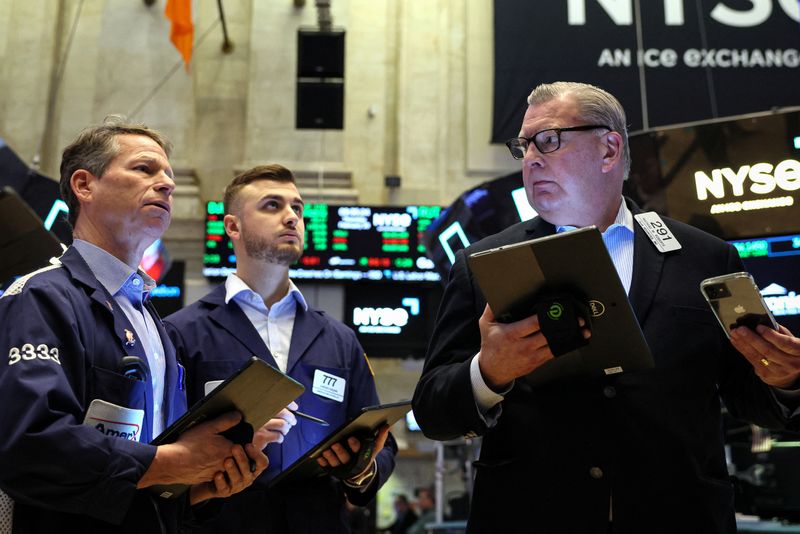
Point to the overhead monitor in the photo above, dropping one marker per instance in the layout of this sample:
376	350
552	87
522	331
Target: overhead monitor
734	178
392	320
343	243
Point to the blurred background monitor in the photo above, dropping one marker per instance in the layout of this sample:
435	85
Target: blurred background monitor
774	262
169	296
343	243
392	320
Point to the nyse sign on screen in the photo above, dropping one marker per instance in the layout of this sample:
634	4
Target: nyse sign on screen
767	181
385	320
621	12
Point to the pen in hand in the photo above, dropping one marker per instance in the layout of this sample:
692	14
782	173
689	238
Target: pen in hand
309	417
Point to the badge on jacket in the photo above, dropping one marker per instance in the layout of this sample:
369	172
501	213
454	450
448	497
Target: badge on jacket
328	385
129	339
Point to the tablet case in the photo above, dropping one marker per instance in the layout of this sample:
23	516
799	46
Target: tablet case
257	390
577	262
370	419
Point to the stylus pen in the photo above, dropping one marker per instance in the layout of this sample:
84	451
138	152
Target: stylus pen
309	417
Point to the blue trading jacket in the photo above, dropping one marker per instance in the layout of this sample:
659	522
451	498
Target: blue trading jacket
214	339
65	337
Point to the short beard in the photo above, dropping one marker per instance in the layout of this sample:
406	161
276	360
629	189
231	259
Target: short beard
261	249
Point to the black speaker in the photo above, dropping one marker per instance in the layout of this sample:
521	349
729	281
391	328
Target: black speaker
320	105
320	54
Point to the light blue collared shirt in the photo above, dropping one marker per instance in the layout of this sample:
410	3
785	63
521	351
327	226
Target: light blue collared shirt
274	325
130	289
618	239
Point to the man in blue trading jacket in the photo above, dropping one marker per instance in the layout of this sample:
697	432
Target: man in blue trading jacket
90	375
260	311
632	452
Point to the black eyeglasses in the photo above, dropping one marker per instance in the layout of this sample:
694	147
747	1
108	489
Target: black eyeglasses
546	141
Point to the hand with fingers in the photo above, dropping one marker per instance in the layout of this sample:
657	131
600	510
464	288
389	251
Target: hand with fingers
350	463
240	471
275	430
774	354
511	350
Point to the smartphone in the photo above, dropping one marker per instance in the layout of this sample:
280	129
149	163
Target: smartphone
735	300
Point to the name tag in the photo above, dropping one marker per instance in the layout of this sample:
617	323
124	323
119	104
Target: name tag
657	231
114	420
329	386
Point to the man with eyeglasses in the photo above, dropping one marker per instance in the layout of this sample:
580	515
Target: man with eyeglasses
631	453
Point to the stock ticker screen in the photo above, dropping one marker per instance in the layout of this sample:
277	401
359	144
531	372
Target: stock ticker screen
343	243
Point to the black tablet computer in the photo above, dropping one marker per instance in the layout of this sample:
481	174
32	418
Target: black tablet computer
513	277
369	419
25	244
257	390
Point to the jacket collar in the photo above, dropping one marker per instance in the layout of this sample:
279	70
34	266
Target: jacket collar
307	326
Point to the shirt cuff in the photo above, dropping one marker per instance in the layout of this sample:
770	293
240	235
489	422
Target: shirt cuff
485	398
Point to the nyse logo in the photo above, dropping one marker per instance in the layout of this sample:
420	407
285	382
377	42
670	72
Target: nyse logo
385	320
621	12
759	178
400	221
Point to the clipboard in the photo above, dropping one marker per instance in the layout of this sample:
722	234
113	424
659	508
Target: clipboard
369	419
512	276
257	390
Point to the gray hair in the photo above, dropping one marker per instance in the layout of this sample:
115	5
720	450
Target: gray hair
595	106
94	149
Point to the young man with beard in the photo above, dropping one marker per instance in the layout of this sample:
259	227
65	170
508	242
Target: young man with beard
259	311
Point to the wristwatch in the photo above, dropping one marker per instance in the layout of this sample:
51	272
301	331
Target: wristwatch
364	478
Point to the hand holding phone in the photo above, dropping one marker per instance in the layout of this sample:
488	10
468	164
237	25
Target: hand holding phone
736	301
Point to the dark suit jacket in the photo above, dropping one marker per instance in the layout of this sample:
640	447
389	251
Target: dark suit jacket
213	339
649	442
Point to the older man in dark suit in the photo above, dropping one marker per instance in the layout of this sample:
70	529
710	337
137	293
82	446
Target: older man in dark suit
631	453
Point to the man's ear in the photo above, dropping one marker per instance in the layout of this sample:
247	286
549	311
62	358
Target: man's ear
232	226
613	150
82	184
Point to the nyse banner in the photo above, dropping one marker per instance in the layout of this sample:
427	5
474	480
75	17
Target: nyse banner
668	61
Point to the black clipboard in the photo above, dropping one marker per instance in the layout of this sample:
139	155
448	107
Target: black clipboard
369	419
257	390
511	277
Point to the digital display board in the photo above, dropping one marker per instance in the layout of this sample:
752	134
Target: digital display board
774	263
392	320
734	178
343	243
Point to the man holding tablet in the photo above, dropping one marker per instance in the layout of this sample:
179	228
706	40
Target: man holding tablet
259	311
627	452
